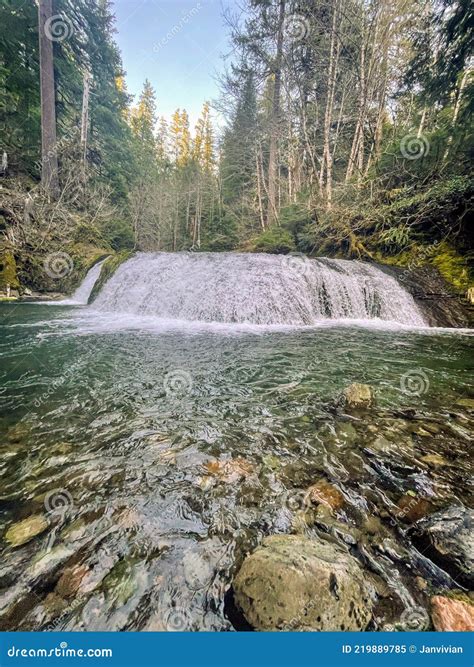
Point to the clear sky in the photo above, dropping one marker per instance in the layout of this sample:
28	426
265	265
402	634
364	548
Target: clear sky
177	45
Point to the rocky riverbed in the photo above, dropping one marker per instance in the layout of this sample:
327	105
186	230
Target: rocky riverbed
153	482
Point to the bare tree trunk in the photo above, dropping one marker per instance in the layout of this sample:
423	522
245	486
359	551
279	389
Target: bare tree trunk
259	192
457	109
85	119
331	89
49	157
272	213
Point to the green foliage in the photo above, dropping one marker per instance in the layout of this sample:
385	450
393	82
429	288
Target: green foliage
274	240
297	219
118	234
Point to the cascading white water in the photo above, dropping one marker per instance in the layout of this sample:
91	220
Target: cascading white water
83	292
256	289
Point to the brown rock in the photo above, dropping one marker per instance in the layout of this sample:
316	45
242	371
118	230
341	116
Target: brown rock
231	470
324	493
451	615
412	508
70	580
435	460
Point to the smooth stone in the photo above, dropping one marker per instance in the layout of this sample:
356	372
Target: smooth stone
359	395
435	460
291	582
451	615
466	403
22	532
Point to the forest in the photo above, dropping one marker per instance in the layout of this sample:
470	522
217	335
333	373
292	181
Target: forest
346	132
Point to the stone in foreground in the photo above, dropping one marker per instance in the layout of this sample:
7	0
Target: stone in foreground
359	396
293	583
451	615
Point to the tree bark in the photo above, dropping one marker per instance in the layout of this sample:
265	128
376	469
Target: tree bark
272	213
49	157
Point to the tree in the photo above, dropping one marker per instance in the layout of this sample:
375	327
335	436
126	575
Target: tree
49	158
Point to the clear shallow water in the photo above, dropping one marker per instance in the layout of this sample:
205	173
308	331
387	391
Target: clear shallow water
174	451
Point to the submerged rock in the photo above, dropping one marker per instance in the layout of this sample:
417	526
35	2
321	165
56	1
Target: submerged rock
230	470
359	396
293	583
447	537
22	532
451	615
412	508
325	493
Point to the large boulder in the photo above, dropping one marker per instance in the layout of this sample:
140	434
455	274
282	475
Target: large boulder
293	583
447	537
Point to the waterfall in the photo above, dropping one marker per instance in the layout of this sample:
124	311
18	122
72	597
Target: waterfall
83	292
255	288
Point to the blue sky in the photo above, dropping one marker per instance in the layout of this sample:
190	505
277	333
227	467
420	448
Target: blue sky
176	44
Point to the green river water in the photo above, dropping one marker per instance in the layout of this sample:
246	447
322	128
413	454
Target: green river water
159	457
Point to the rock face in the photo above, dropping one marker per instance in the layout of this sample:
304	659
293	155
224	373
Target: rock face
24	531
447	537
359	396
451	615
433	295
293	583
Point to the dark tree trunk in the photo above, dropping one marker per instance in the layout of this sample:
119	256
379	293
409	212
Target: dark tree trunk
49	157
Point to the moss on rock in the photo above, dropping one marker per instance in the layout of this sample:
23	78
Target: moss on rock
109	267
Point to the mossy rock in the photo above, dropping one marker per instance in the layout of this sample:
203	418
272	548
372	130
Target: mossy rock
8	270
109	267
